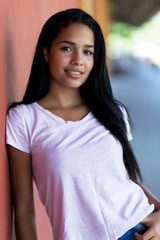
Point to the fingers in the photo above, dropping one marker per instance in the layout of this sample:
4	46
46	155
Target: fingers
146	236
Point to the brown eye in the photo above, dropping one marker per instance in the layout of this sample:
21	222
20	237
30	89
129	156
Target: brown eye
66	49
87	52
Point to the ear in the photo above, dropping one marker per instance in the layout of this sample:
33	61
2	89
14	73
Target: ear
45	51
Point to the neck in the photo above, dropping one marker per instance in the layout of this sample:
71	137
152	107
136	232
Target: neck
63	98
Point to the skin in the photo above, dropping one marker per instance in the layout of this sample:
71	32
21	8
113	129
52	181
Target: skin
22	194
70	60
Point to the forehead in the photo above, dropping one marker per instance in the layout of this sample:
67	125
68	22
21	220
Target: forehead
76	32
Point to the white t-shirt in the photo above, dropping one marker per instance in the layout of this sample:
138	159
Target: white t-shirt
79	172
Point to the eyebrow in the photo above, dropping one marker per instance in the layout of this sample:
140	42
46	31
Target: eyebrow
72	43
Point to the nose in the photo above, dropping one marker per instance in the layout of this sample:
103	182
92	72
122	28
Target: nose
77	59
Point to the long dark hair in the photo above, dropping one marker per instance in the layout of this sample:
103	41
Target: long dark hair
96	91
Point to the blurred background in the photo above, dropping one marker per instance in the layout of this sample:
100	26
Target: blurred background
134	58
132	34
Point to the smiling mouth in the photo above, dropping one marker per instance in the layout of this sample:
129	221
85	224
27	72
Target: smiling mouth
74	72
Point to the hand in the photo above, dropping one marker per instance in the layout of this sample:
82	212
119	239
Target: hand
153	222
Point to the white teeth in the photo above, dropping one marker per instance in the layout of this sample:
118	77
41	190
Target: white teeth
76	73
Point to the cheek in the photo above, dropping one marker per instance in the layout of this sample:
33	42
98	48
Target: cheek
90	65
56	63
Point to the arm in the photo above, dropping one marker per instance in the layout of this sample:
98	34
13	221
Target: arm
152	220
151	198
22	193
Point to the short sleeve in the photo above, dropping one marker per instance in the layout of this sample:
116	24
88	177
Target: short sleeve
125	116
16	129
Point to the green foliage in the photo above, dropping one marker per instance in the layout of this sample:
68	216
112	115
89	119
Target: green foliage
150	31
121	38
124	37
122	29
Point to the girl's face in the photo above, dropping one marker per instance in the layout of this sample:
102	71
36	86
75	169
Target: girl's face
70	57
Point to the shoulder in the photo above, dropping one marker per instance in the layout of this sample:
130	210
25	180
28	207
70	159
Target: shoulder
20	108
18	127
124	111
20	113
127	120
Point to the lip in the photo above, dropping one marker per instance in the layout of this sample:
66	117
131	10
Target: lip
74	73
74	70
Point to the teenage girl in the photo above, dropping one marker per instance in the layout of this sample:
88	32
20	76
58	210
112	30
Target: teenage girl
72	137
